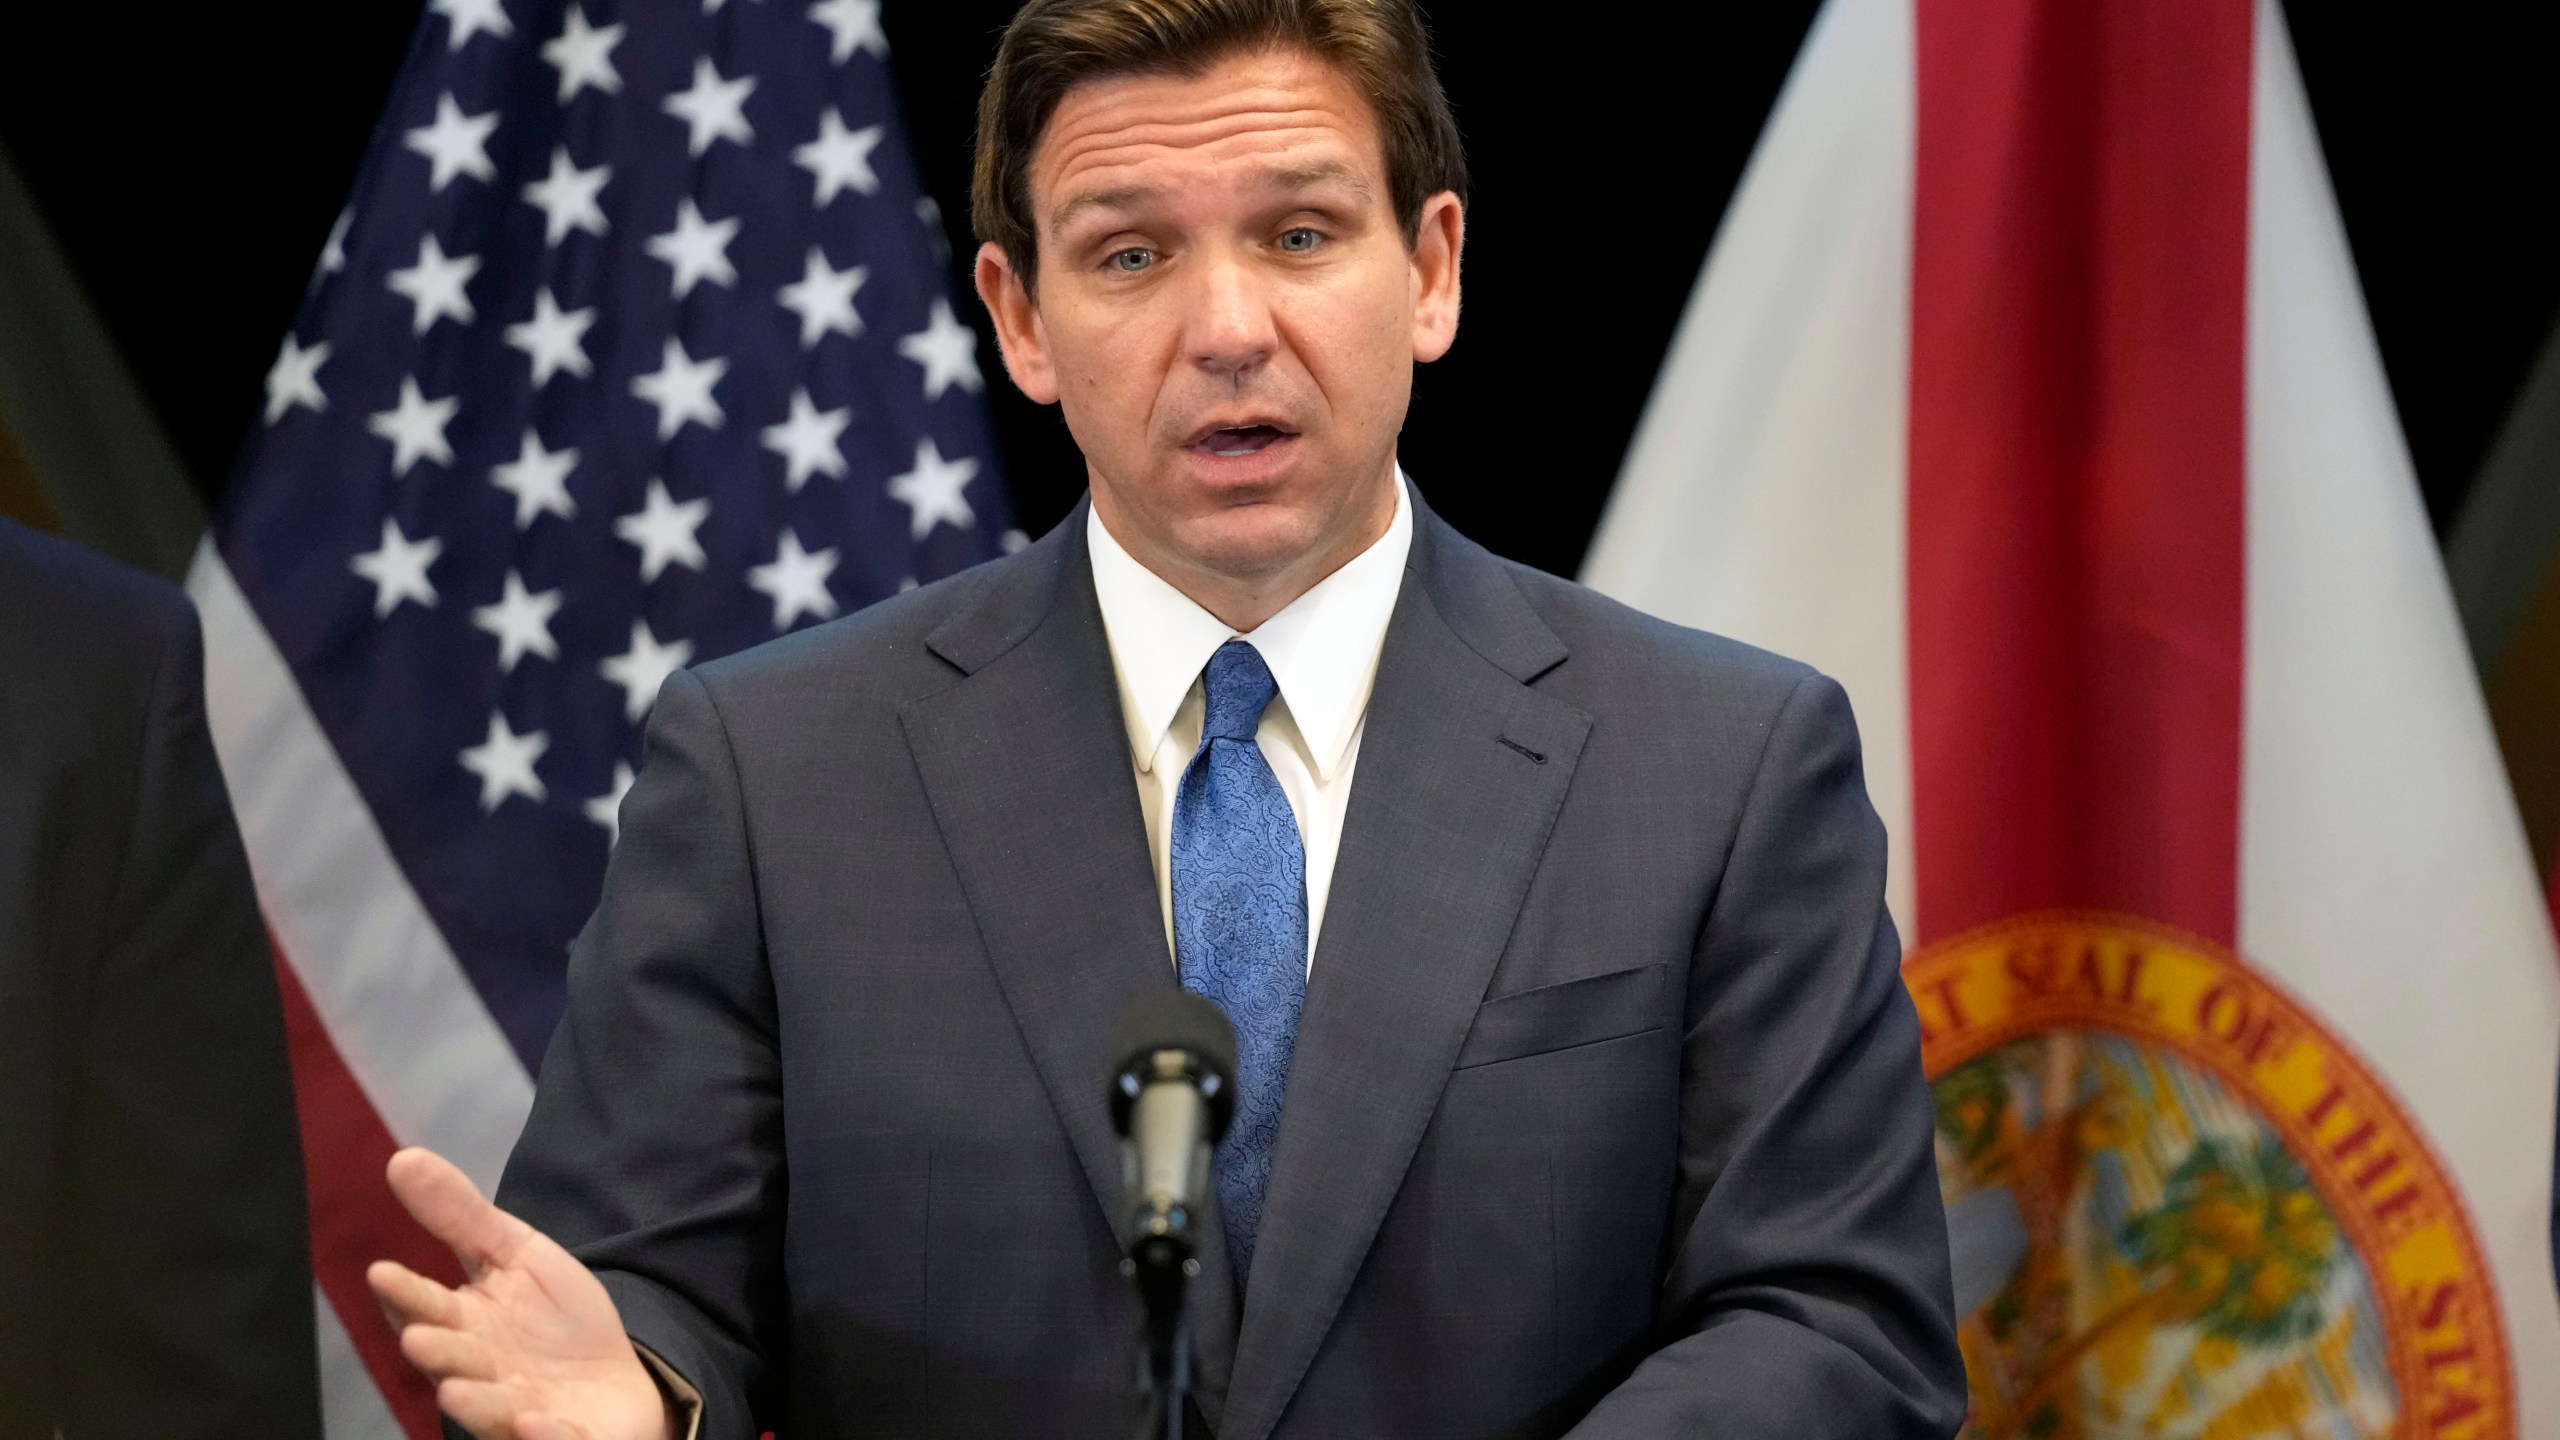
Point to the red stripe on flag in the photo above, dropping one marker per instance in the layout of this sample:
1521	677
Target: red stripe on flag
355	1220
2077	497
2552	897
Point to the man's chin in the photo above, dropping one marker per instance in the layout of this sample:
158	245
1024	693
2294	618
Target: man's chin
1249	542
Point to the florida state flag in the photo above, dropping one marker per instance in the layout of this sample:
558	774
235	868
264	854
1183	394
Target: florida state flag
2029	391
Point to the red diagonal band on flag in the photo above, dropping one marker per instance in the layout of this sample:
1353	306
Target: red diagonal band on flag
2078	503
2551	894
355	1220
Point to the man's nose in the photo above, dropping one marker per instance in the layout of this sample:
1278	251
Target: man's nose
1231	329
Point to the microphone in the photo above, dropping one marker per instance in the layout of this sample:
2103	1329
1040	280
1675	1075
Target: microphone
1172	1094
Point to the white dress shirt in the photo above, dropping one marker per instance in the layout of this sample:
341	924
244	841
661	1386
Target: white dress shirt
1323	651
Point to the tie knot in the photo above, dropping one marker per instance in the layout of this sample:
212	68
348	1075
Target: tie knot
1240	687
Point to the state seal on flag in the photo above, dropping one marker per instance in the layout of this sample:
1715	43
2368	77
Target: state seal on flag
2179	1206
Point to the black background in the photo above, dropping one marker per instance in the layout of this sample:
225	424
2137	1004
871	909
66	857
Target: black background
191	159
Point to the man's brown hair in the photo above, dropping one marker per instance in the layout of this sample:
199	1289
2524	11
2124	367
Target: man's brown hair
1052	46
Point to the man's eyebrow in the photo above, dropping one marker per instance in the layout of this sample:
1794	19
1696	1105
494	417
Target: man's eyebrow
1129	197
1328	172
1123	197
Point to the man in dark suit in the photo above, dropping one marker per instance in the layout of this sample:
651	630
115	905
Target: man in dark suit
1578	1089
155	1275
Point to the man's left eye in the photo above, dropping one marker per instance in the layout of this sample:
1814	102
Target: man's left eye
1299	241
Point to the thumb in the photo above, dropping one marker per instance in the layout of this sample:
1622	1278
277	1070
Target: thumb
441	1198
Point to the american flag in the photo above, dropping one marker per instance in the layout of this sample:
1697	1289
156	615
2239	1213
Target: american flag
631	350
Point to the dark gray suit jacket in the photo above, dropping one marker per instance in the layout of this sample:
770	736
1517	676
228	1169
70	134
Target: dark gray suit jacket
155	1270
1606	1114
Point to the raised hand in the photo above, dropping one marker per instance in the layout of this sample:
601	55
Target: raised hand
531	1347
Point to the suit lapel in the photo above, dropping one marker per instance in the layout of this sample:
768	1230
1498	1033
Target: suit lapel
1025	762
1462	770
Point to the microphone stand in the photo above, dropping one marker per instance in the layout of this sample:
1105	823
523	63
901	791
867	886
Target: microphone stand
1161	1263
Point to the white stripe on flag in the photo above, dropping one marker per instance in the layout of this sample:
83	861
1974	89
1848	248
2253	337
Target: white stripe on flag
1778	427
2383	875
351	1405
411	1029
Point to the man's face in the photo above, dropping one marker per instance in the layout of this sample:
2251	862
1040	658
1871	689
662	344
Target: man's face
1228	312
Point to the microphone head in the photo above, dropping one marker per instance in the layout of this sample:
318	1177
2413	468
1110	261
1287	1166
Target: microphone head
1174	1019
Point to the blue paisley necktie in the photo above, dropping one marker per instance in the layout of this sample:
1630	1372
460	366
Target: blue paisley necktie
1240	922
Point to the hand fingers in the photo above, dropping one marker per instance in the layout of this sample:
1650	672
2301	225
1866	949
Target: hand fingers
409	1298
444	1200
448	1354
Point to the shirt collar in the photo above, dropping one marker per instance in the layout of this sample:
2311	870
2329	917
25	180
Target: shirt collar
1322	649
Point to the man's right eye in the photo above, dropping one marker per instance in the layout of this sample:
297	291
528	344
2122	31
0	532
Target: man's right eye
1131	261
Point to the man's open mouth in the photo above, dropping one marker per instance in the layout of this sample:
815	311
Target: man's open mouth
1235	442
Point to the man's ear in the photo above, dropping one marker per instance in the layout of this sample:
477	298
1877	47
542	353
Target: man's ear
1438	244
1008	300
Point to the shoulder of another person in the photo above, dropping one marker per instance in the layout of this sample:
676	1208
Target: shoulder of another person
71	616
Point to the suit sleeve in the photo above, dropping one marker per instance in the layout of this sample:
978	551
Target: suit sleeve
654	1150
1806	1293
185	1260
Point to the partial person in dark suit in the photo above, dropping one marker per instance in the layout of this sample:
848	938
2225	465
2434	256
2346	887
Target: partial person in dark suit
1579	1092
155	1270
